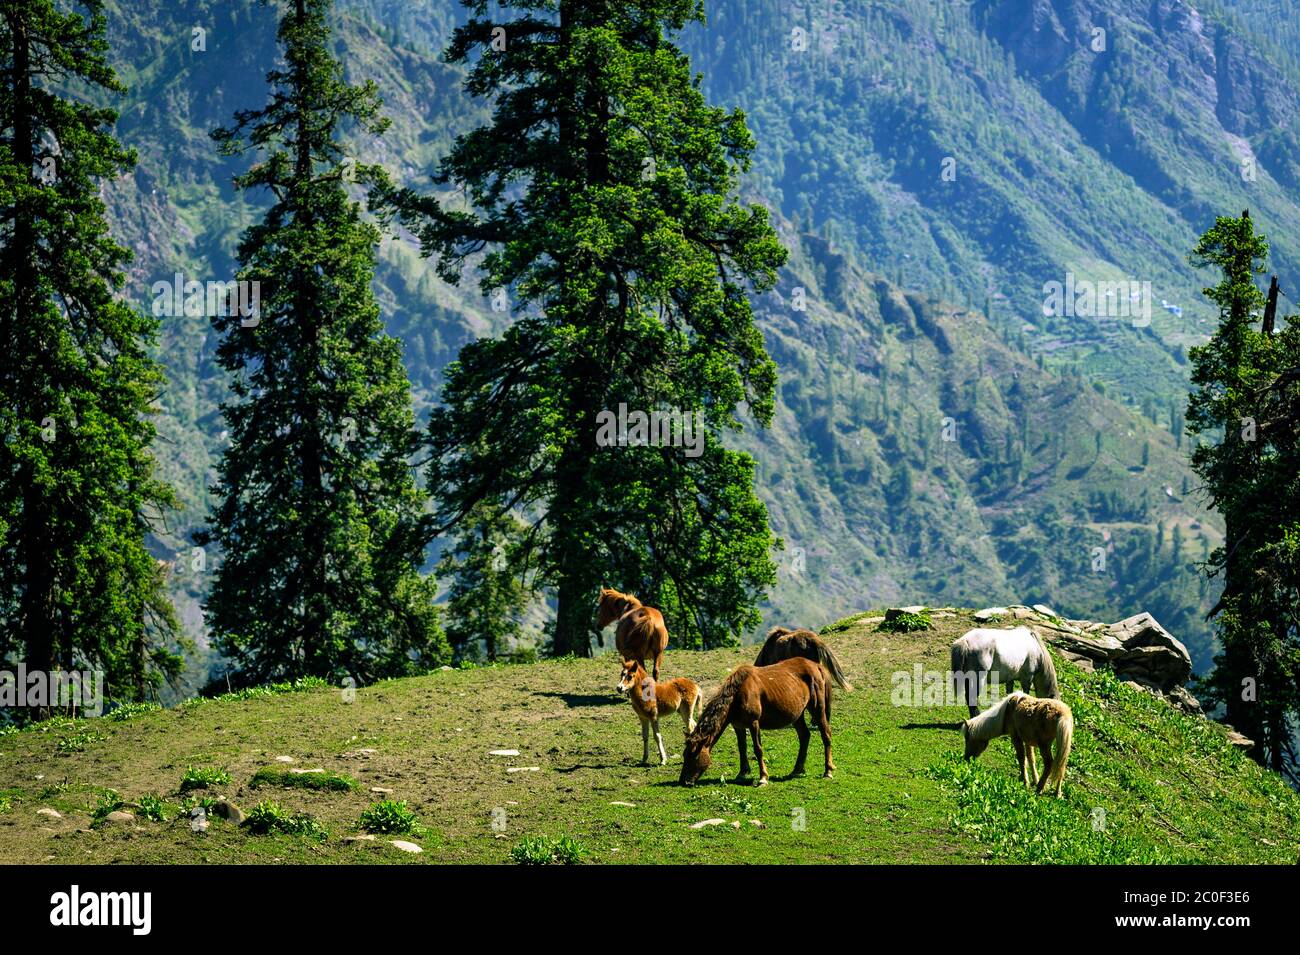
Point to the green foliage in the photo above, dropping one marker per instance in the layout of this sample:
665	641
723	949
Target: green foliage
545	850
318	516
328	780
391	817
268	817
628	261
153	808
907	622
129	711
109	801
77	742
78	491
203	777
485	598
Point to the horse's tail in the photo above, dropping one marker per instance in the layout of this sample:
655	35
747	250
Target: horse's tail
957	662
827	659
1048	685
1064	737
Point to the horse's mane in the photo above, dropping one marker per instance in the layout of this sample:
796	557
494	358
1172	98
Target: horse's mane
767	655
627	601
988	724
713	721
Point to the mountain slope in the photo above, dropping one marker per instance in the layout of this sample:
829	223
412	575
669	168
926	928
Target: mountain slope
1144	783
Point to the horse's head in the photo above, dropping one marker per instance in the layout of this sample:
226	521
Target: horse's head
973	746
628	677
609	608
696	758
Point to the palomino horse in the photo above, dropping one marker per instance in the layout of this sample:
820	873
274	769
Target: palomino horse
782	644
652	700
1029	723
1015	654
641	634
753	698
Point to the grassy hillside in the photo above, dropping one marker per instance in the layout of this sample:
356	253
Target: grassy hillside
1145	783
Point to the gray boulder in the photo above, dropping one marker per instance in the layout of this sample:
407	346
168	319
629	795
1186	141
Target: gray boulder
1151	652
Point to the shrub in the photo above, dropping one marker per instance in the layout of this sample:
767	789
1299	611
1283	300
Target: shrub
543	850
77	742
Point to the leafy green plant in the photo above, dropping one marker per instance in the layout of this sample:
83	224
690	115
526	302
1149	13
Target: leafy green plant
544	850
287	778
203	777
391	817
6	803
77	742
152	808
906	622
129	711
267	817
109	801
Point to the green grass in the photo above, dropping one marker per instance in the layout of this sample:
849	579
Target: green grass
1161	785
288	779
906	623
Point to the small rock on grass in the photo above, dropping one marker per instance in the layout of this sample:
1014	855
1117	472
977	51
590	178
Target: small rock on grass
284	759
406	846
381	790
708	822
365	837
629	805
52	813
523	769
503	752
120	817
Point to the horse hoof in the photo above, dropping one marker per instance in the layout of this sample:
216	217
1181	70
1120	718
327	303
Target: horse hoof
761	782
829	775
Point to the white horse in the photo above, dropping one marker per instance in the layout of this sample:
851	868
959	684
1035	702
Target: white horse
1015	654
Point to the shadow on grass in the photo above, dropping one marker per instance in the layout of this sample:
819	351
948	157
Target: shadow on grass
932	726
576	700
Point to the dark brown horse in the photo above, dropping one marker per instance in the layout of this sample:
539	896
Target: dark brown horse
641	634
782	644
753	698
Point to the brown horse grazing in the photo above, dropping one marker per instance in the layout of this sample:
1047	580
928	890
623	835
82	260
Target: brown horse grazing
782	644
753	698
1029	722
652	700
641	634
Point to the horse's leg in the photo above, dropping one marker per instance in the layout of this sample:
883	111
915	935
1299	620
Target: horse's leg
981	678
805	735
645	742
1047	764
659	658
758	754
663	755
743	746
1020	758
824	724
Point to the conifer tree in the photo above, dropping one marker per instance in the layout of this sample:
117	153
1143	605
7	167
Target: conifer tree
78	496
603	193
319	520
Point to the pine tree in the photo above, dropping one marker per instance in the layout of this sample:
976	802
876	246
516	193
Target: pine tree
78	496
1248	464
486	596
603	194
319	519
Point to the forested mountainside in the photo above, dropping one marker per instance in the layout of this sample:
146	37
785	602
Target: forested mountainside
934	167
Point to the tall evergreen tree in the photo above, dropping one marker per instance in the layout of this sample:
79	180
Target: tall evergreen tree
603	192
78	586
319	521
1248	463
